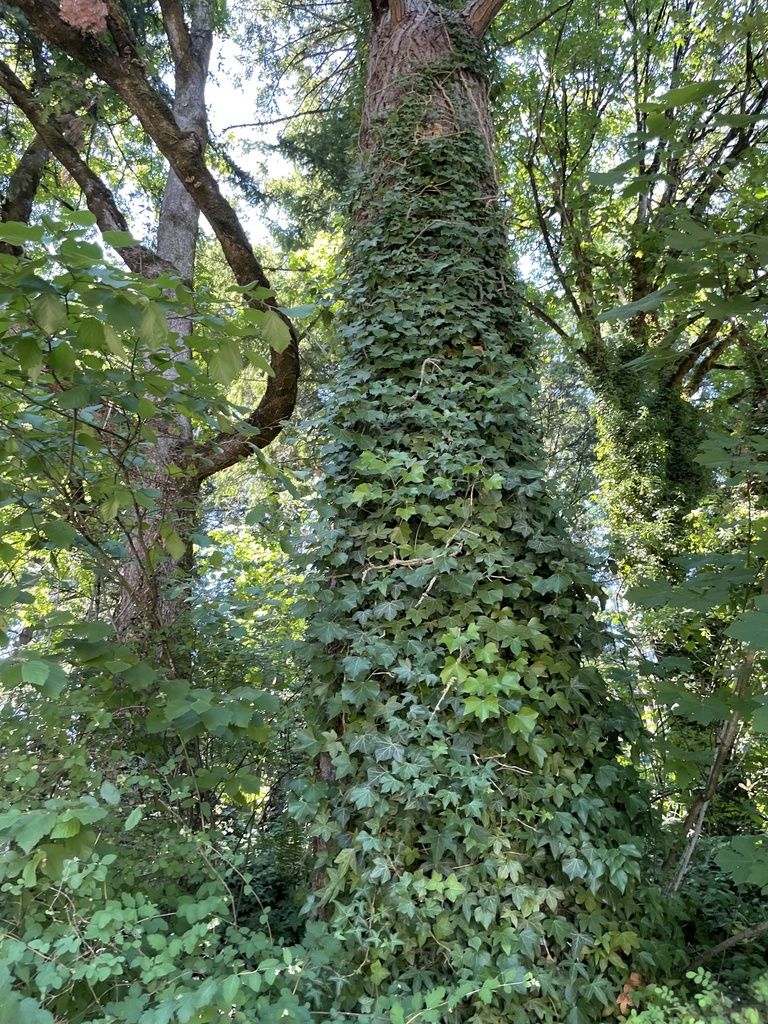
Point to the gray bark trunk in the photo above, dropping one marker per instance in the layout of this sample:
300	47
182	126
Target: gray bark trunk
147	599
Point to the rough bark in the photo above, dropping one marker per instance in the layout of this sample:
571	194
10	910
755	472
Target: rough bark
22	188
453	722
101	202
122	68
147	596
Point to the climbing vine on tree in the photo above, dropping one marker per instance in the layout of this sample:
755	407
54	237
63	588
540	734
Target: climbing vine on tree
475	831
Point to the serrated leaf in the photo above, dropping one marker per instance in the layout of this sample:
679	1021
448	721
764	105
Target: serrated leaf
298	312
153	330
276	332
35	672
692	93
34	825
16	233
50	313
226	362
30	357
751	628
651	301
259	362
113	342
173	544
66	827
59	533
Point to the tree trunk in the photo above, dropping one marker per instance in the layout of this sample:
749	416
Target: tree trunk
472	825
148	601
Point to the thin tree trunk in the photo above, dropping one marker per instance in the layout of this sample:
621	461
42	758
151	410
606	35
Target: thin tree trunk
146	598
22	188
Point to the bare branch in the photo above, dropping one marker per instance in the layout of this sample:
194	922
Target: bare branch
124	71
480	14
22	187
277	120
100	200
734	940
537	24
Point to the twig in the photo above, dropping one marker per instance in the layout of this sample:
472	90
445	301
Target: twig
742	936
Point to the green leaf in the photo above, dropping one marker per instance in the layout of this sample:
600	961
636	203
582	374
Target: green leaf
226	362
686	94
82	218
752	628
355	667
35	672
113	342
133	819
60	534
230	988
77	397
276	332
153	330
174	545
119	239
30	357
651	301
109	793
259	362
50	313
299	312
360	692
16	233
34	825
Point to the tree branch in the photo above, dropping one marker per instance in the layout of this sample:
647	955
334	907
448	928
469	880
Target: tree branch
480	14
22	188
100	200
124	72
537	24
734	940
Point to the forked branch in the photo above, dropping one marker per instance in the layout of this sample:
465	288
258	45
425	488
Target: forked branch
480	14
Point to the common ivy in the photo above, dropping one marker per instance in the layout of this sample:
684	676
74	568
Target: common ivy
474	823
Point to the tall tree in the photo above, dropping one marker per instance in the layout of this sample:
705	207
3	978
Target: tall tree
474	829
104	38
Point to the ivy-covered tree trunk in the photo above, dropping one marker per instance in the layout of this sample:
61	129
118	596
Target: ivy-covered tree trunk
474	830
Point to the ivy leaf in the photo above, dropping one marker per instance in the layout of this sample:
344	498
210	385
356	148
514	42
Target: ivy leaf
360	691
389	750
574	867
355	667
